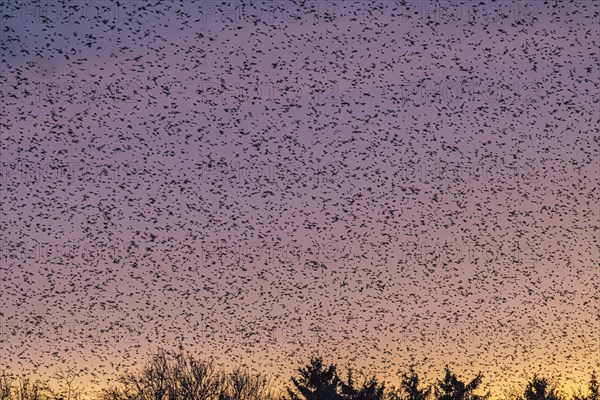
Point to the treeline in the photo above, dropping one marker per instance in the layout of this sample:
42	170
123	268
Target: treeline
181	376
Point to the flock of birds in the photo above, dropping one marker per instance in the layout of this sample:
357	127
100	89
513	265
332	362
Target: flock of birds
241	179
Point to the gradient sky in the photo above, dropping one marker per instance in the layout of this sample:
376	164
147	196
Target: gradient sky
382	183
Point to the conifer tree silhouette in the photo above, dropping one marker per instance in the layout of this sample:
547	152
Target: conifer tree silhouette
540	388
594	388
410	387
452	388
316	382
370	389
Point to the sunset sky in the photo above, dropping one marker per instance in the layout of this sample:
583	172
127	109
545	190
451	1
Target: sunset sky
382	183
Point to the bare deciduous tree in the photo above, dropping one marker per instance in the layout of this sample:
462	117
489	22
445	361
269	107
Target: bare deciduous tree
67	390
5	387
244	385
181	376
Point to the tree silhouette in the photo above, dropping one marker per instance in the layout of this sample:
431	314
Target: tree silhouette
5	387
370	389
316	382
593	390
240	384
21	389
540	388
181	376
452	388
410	387
194	379
67	390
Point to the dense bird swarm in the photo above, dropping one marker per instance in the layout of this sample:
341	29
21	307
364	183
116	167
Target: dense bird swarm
383	183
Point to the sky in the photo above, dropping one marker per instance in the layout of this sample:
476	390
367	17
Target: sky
382	183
